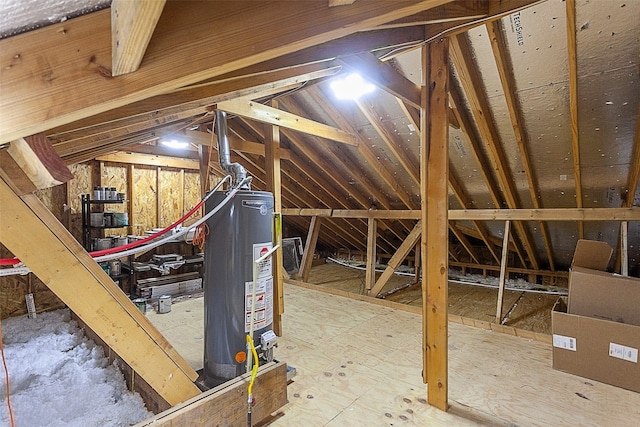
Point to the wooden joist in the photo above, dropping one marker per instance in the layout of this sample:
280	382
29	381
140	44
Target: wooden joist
551	214
309	248
226	405
90	293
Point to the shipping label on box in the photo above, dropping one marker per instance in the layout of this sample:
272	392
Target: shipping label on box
561	341
623	352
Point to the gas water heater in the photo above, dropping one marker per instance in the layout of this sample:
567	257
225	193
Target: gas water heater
240	233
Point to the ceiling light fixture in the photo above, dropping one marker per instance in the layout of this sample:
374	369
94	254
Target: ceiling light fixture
351	87
173	143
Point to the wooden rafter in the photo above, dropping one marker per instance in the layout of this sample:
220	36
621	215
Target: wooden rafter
465	243
266	114
505	69
82	50
463	199
572	48
474	89
390	140
132	24
634	168
364	150
384	76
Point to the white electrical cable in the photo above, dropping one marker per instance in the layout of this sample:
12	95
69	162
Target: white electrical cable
24	270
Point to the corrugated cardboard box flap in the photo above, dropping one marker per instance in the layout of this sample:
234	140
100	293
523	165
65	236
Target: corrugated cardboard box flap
592	254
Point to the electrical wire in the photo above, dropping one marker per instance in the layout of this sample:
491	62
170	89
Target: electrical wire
12	420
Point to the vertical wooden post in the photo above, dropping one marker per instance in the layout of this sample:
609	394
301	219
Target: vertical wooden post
181	198
130	196
418	261
624	253
203	157
370	277
309	248
158	199
434	194
503	271
272	171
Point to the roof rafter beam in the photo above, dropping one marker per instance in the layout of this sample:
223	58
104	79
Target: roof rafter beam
572	48
473	88
274	116
78	87
505	70
132	24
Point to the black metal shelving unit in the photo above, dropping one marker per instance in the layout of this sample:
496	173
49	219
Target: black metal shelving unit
87	202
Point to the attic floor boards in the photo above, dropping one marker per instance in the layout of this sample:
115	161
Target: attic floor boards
359	364
532	311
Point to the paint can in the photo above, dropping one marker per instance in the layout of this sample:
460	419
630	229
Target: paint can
115	267
141	303
164	304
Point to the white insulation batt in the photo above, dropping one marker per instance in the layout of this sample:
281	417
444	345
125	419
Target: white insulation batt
58	377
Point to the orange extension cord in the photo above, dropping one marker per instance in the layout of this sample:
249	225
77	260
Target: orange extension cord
6	376
200	236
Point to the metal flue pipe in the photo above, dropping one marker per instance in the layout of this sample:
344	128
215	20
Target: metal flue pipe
236	170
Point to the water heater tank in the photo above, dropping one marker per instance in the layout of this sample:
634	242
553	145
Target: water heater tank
238	234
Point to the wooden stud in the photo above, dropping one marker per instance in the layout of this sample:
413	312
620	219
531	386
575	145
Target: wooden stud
131	196
503	271
573	103
159	222
309	248
624	258
435	238
204	156
370	276
274	185
132	24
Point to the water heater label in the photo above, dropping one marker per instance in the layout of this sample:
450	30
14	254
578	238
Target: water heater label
263	310
262	205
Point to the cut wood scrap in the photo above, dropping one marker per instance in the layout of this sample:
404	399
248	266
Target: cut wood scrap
397	258
39	162
227	404
90	293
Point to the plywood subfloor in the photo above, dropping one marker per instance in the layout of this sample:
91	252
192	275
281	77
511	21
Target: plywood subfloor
359	364
532	311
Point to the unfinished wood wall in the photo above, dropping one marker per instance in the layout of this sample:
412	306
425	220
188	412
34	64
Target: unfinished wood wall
179	191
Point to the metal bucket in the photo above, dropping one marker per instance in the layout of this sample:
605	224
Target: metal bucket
164	304
141	303
120	241
115	267
102	244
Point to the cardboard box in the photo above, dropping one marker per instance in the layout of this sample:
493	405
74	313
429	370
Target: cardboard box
598	349
596	330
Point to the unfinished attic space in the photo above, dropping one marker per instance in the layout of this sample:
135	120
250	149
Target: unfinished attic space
320	212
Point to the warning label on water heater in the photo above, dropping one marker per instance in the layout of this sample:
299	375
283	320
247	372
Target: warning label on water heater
263	310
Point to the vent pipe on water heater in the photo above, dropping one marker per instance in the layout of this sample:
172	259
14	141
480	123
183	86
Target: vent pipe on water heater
239	234
236	170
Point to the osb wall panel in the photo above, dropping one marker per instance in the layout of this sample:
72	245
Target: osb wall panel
115	176
171	190
191	192
144	199
80	184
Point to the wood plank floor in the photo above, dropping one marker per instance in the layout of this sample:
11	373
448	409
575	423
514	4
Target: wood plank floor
358	364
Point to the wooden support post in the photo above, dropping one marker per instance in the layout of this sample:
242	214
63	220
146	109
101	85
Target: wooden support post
434	195
90	293
624	253
203	156
370	277
159	222
417	261
503	271
397	259
273	176
131	196
309	248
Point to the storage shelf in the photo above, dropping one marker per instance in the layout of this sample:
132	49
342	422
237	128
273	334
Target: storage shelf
102	227
105	202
